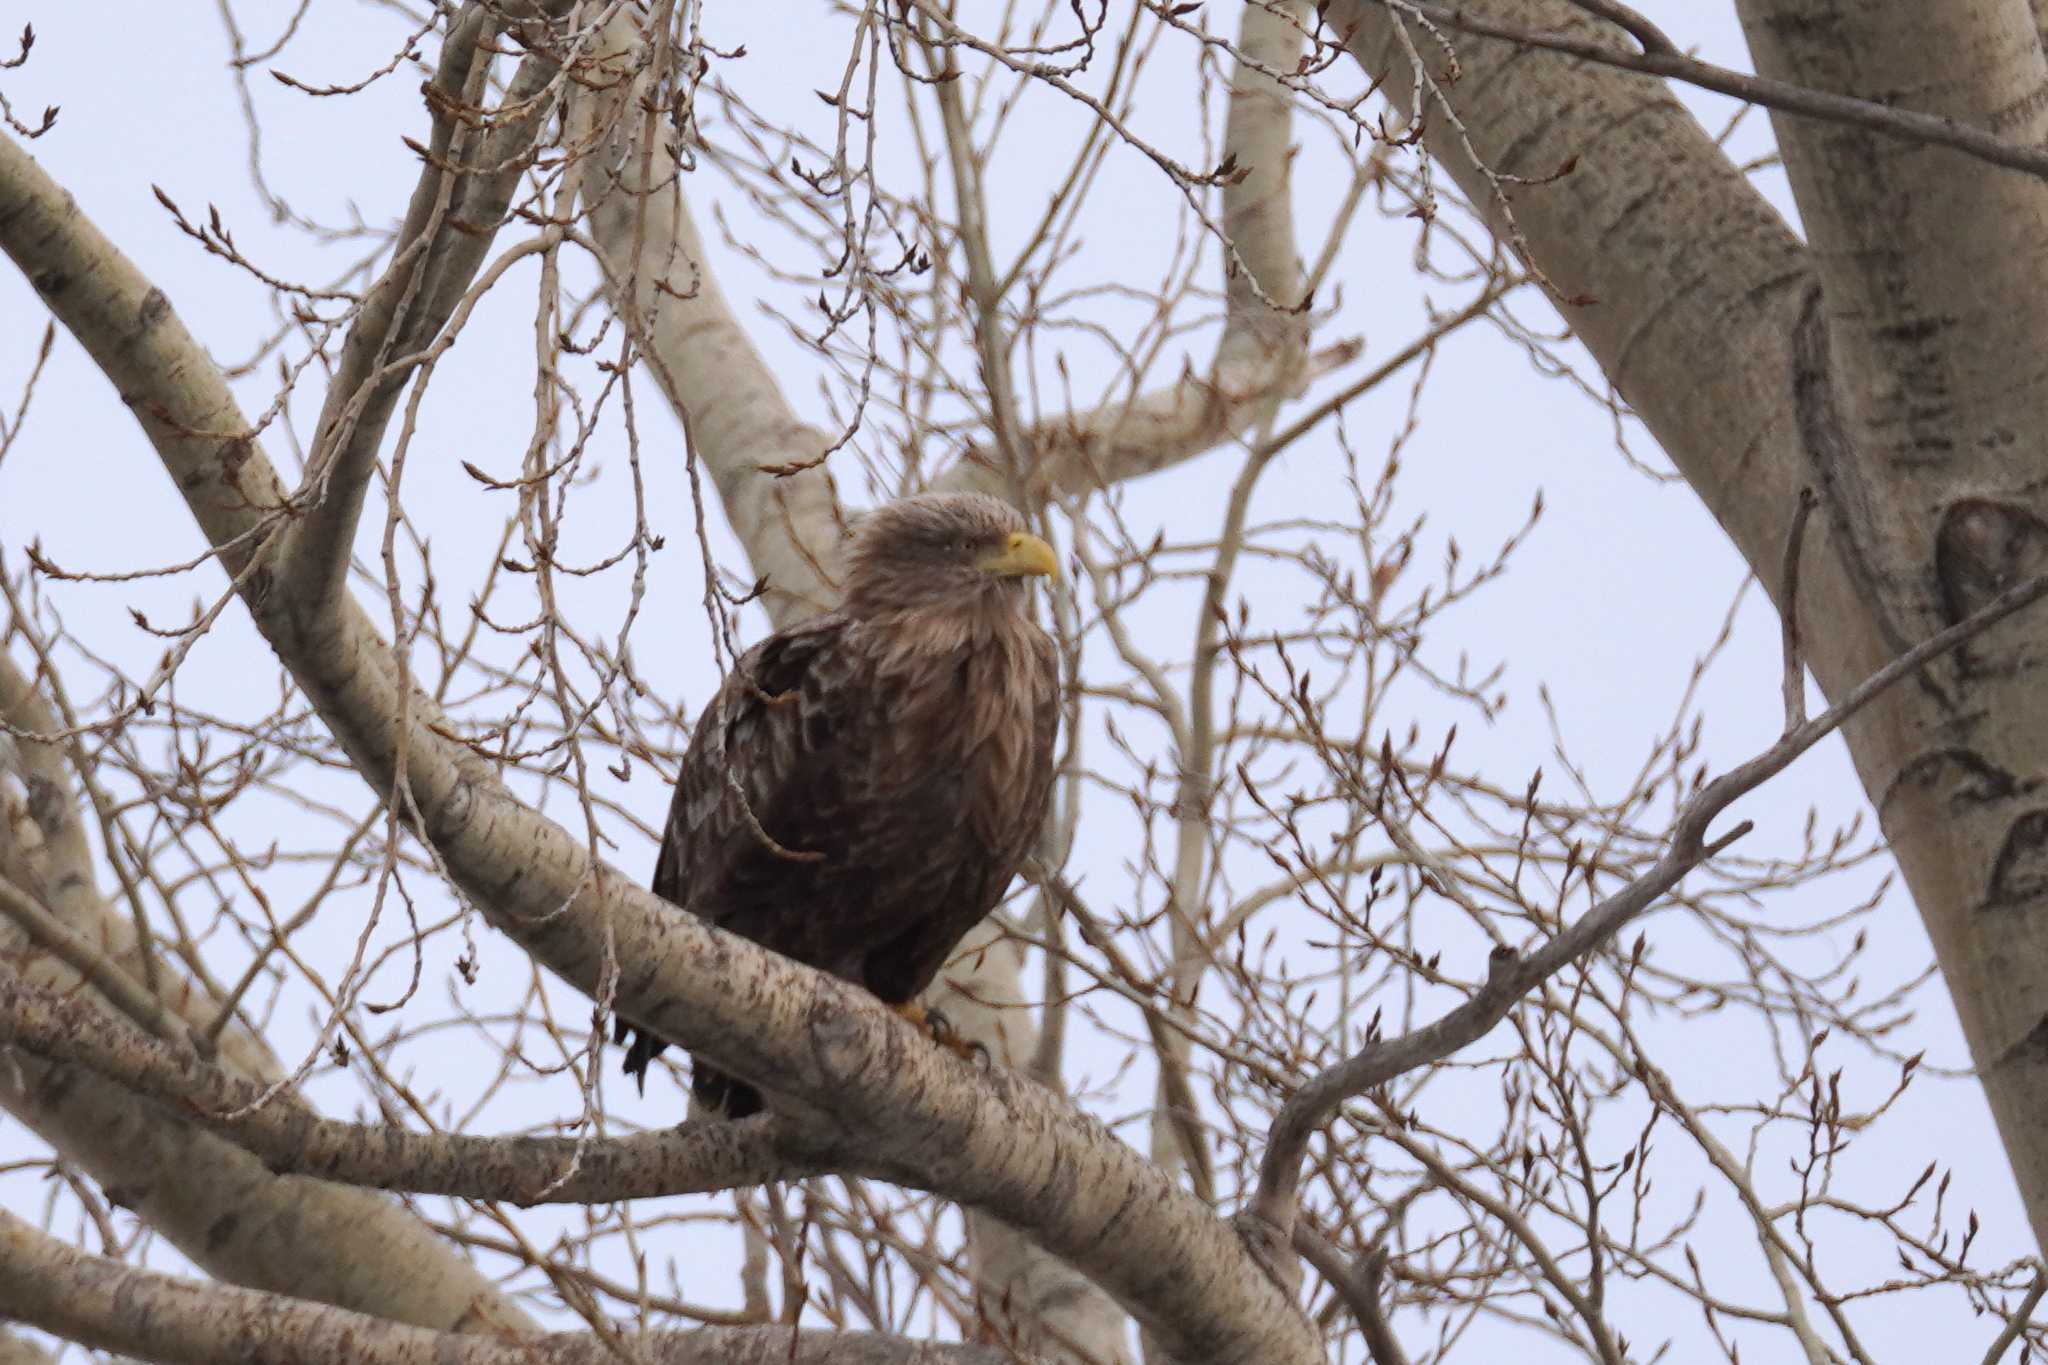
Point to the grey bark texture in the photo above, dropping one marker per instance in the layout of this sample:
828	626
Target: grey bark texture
1891	363
163	1318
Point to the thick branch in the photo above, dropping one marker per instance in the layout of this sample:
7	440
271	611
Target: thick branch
243	1223
1033	1300
911	1112
115	1307
693	1159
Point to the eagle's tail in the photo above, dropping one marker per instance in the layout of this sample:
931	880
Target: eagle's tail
719	1093
642	1048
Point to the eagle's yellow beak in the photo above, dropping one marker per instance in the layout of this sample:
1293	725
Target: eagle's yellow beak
1022	553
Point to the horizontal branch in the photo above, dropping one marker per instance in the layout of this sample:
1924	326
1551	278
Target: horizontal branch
1128	438
697	1158
115	1307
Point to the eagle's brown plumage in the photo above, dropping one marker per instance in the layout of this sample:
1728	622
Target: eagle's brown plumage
863	787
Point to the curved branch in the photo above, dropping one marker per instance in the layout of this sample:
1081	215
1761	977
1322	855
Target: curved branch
909	1111
1660	57
115	1307
764	460
1510	976
694	1159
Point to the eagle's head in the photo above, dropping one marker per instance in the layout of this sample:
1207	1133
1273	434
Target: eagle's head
943	553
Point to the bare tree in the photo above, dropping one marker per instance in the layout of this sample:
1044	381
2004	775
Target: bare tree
1312	1033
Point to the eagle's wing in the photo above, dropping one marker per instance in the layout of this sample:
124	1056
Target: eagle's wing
753	755
760	750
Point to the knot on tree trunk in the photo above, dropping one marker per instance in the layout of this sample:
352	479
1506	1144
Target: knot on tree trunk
1982	548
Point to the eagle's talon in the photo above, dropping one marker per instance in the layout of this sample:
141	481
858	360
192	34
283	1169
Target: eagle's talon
940	1030
959	1044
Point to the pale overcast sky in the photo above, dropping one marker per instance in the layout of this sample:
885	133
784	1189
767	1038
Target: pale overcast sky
1624	583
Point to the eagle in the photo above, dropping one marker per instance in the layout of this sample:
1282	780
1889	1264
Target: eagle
860	791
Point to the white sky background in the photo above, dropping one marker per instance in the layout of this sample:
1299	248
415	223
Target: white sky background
1622	585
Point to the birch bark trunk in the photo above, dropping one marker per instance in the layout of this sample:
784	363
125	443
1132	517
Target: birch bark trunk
1891	363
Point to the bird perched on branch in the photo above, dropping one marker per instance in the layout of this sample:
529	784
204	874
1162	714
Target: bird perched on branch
860	792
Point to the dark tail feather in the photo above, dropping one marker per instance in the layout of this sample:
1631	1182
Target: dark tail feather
716	1091
642	1048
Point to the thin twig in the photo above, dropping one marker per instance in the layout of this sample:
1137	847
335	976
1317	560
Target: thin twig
1638	26
1784	96
1510	976
2016	1322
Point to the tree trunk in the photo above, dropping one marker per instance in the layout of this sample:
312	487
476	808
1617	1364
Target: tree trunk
1928	324
1889	366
